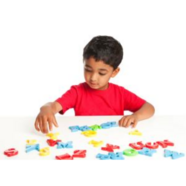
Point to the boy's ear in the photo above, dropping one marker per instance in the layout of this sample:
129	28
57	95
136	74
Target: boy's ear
115	72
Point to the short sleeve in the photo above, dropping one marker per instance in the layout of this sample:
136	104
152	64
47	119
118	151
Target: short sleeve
68	99
132	102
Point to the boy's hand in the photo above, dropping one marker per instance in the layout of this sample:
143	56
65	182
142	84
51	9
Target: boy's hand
45	119
128	120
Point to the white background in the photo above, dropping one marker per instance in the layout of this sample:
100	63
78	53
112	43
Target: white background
41	46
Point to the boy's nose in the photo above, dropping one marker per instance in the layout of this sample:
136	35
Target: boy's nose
93	78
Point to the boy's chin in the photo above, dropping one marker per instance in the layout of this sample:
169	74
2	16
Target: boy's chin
96	87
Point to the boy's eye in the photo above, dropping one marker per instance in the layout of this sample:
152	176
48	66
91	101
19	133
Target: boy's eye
88	70
102	74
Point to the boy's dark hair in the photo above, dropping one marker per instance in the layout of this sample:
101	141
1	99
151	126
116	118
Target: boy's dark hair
104	48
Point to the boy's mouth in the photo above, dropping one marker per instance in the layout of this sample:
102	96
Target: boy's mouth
93	84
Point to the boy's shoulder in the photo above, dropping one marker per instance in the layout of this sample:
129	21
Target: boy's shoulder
116	86
80	85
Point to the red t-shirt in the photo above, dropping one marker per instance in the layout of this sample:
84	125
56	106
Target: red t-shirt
87	101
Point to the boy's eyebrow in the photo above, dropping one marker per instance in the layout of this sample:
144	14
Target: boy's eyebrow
88	66
101	69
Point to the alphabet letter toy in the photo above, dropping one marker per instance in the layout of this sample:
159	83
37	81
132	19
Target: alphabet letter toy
84	128
32	147
146	151
74	128
31	142
116	156
110	148
130	152
52	142
64	157
61	145
103	156
108	125
173	154
79	154
96	143
165	143
53	136
138	146
113	124
95	127
11	152
111	155
154	146
135	132
89	133
44	152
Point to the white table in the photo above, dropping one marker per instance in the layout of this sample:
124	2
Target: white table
14	131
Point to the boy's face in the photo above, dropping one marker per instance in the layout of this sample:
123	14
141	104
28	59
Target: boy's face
97	73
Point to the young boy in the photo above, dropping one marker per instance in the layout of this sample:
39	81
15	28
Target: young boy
96	96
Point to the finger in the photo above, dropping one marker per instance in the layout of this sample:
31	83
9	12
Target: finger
129	122
50	124
125	122
120	122
44	124
36	125
55	122
40	125
135	123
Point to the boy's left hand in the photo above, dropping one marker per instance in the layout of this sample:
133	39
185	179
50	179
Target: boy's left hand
128	120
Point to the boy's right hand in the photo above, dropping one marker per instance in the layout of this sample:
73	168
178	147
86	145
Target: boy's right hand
45	119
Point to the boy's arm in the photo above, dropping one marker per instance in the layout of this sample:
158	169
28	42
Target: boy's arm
54	106
46	117
145	112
